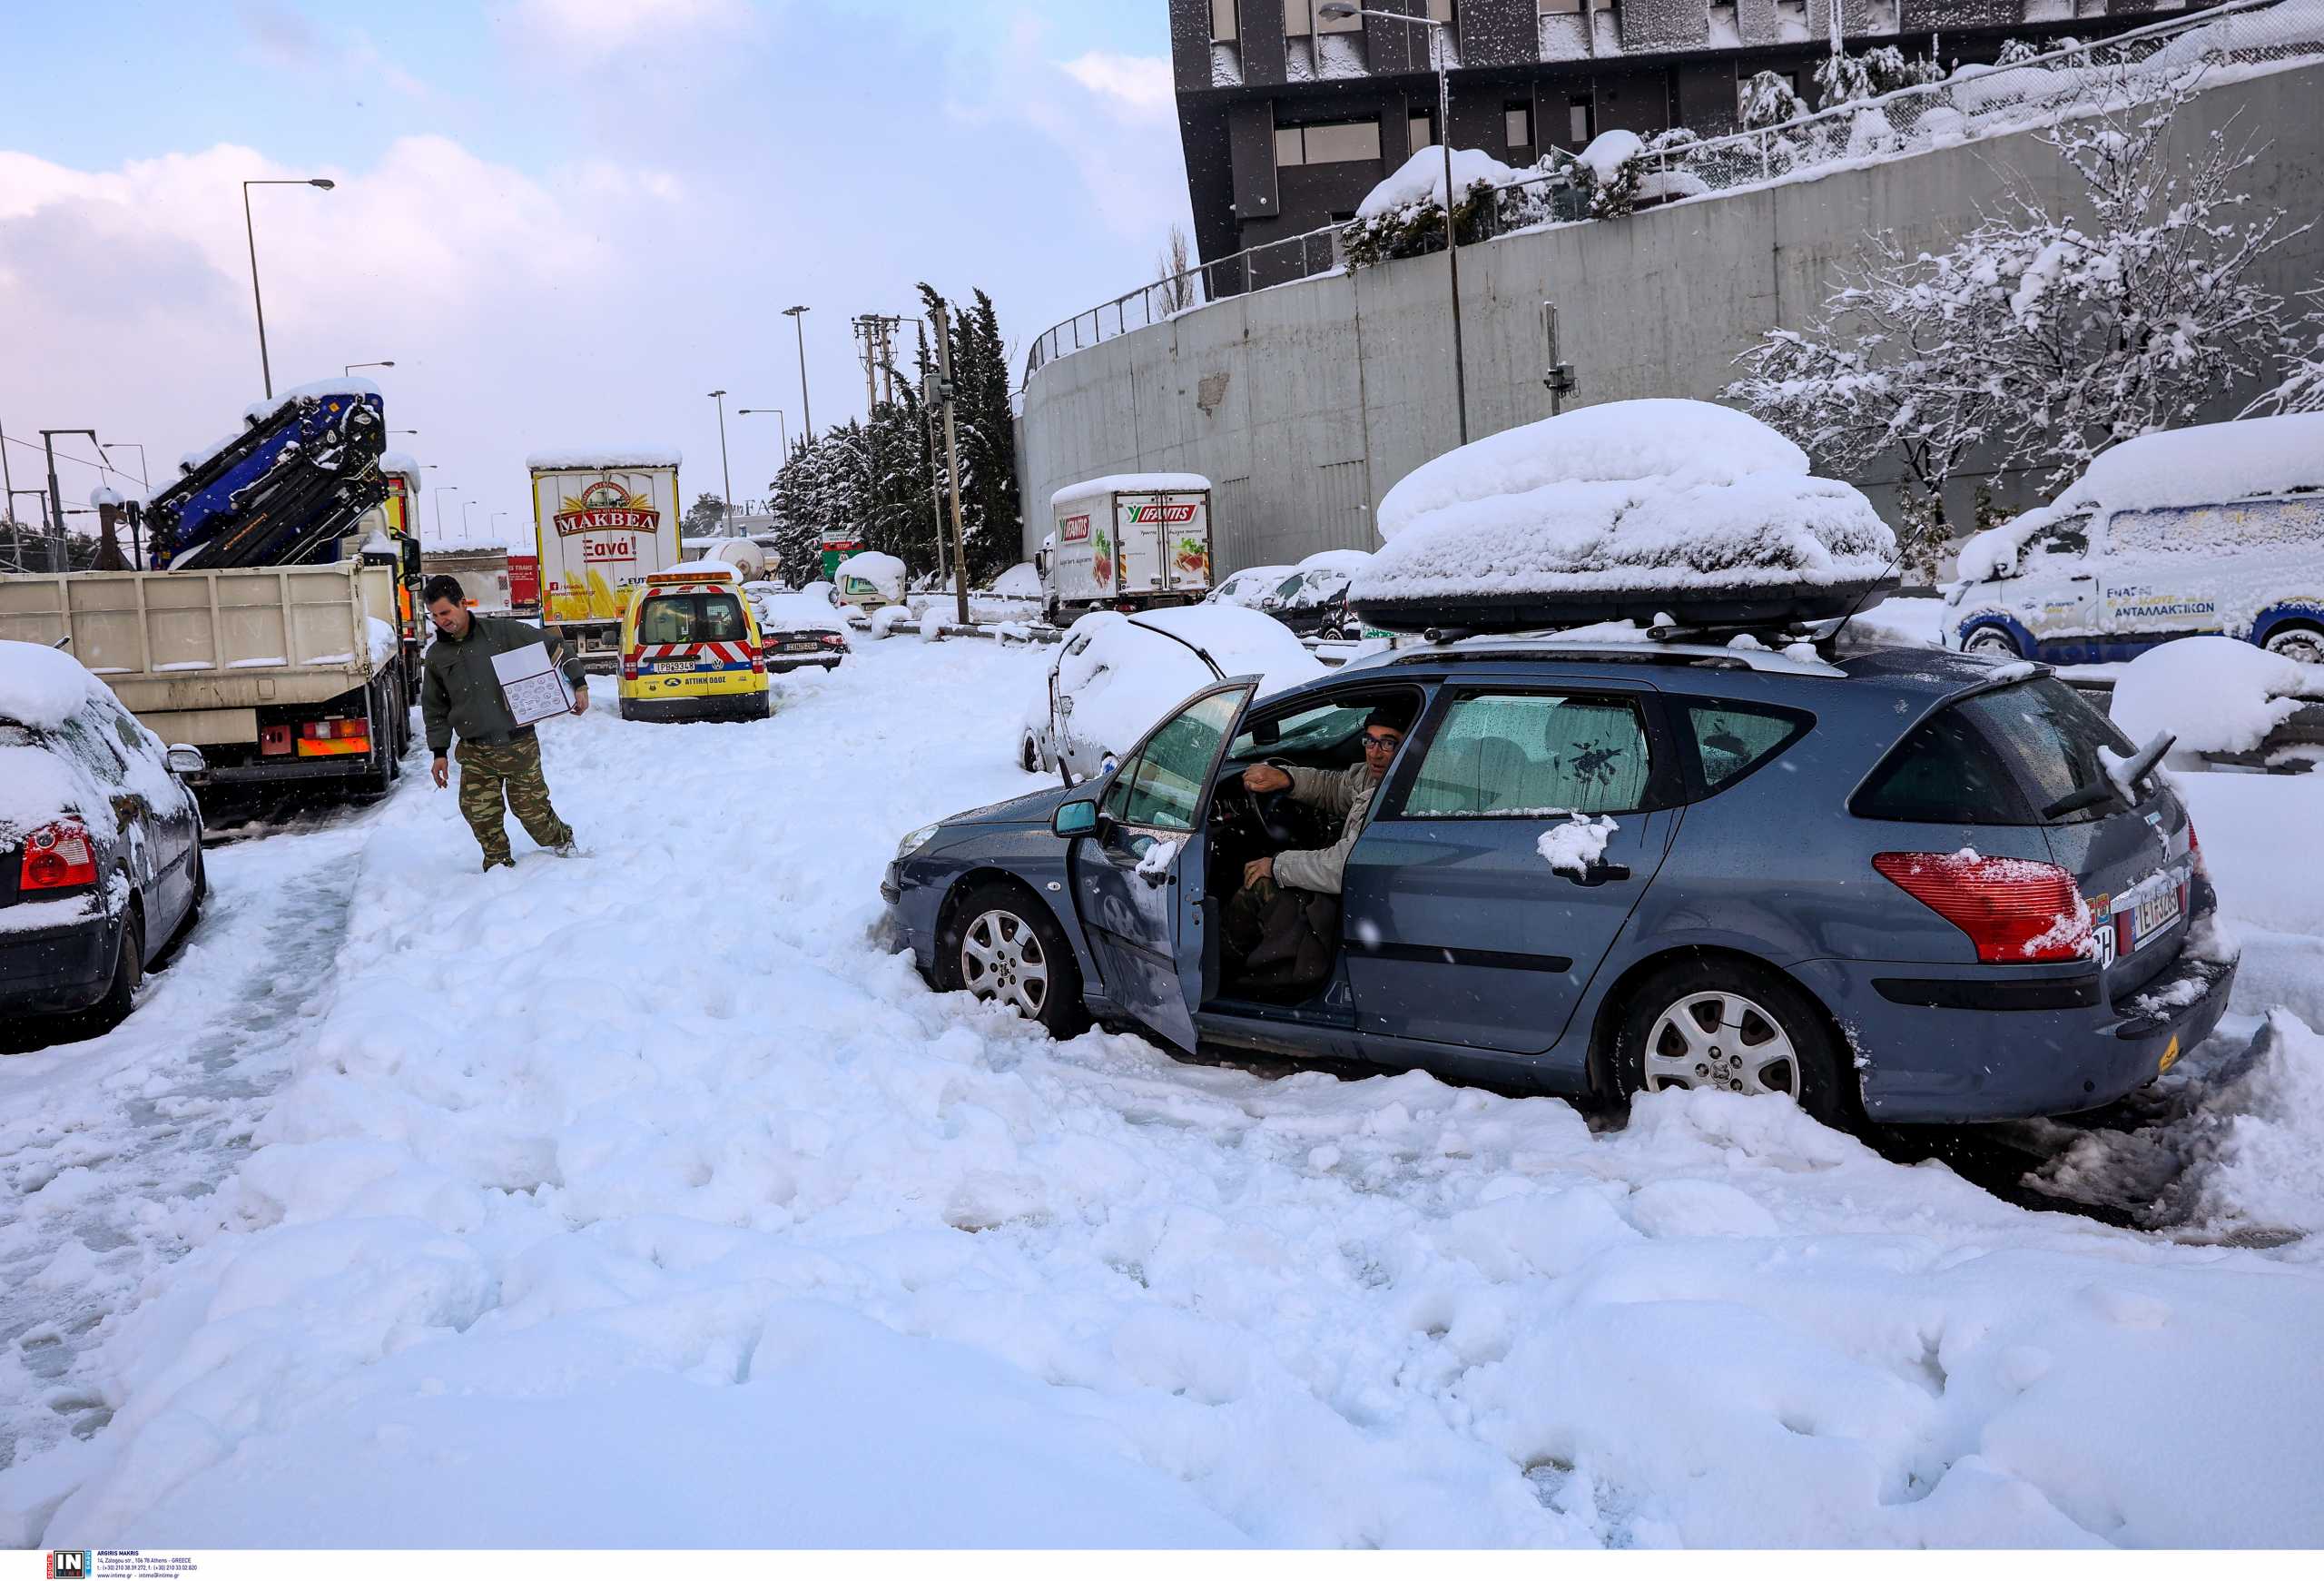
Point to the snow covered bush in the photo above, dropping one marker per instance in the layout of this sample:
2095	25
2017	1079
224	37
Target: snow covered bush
1404	216
1768	100
2215	694
1659	497
2302	385
2051	332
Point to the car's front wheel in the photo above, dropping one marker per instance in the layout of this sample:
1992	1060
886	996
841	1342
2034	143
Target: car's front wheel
2304	642
1723	1024
1003	945
1995	640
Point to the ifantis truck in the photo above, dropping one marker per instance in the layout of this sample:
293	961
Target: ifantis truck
1137	541
604	519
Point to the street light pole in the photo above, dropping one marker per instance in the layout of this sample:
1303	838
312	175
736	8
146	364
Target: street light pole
250	234
797	315
1337	9
775	411
349	370
726	472
442	490
465	537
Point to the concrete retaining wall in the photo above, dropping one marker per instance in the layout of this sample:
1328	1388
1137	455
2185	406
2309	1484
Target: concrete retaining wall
1305	403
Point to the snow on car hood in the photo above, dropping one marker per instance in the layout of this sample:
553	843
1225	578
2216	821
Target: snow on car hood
1631	494
1129	676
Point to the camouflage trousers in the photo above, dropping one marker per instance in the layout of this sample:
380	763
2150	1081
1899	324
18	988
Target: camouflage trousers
512	771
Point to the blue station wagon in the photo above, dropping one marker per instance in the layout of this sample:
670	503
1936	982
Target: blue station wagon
1905	885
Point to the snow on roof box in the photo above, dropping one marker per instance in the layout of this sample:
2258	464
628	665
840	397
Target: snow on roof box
1623	510
586	457
1131	483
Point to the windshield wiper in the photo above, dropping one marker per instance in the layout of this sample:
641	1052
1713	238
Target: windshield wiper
2120	778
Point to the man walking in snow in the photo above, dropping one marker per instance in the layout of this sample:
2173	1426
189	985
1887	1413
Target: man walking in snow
1284	922
460	694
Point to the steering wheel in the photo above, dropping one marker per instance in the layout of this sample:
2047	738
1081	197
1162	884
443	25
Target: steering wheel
1271	810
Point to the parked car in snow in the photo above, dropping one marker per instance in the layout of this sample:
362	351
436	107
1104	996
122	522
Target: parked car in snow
798	628
1313	600
2224	702
691	649
870	579
1981	882
100	841
1246	587
1115	675
2213	530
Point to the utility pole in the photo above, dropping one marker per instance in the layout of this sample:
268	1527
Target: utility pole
56	496
7	480
797	315
725	500
943	316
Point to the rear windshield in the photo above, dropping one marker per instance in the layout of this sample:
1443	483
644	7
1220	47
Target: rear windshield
690	618
1996	758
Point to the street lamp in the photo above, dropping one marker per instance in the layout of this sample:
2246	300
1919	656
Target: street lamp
143	481
1339	10
797	315
776	413
351	367
250	234
466	506
442	490
725	500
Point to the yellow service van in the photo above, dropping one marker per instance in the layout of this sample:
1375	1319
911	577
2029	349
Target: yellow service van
691	649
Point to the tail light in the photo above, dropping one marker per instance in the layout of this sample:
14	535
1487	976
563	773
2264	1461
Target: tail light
834	639
59	857
629	669
2013	910
2195	850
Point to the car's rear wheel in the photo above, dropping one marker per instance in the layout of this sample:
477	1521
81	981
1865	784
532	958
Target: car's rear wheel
128	972
1722	1023
1003	945
1993	639
2304	642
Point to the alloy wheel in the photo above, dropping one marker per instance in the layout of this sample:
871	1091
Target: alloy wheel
1721	1040
1992	639
1002	959
2298	642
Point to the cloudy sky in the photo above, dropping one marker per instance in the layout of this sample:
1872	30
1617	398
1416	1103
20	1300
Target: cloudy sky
565	219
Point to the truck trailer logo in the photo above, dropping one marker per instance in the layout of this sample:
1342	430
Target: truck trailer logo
1162	515
606	506
1073	530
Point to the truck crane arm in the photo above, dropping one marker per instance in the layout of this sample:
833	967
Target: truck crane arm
284	491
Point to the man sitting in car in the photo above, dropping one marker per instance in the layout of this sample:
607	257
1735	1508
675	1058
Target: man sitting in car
1274	923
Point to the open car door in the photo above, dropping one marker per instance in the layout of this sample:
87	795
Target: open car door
1138	876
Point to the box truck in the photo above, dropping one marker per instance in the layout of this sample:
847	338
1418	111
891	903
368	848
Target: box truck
604	519
1138	541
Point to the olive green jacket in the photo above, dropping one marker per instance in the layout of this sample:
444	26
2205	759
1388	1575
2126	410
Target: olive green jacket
460	694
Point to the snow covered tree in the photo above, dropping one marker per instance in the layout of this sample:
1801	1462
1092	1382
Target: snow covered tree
1768	101
2041	338
1173	266
704	518
2302	367
1841	78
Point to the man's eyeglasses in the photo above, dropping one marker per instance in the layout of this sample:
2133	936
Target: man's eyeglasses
1382	743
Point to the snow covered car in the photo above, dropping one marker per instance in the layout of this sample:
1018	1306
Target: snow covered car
1313	600
100	841
1984	903
1115	675
1905	883
1246	587
2213	530
2224	702
798	628
870	579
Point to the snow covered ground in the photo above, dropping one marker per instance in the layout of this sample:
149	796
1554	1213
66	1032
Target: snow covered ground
642	1200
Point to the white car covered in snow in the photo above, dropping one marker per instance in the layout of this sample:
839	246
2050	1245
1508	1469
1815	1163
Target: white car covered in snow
1248	585
1116	675
1313	599
798	628
2213	530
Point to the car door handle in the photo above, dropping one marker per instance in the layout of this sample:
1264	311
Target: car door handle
2080	576
1596	873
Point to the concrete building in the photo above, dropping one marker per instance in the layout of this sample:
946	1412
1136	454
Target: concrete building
1306	403
1289	117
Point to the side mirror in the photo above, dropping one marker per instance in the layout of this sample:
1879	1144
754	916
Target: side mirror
184	759
1073	818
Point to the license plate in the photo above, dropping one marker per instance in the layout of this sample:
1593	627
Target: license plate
2151	916
683	667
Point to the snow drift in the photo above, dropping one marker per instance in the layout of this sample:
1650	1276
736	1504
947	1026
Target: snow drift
1617	510
2215	694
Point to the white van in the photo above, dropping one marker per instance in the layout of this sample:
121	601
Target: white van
2217	529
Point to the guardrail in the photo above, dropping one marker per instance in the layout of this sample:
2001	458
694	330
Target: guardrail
1969	104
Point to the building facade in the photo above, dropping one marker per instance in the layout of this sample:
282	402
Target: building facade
1290	116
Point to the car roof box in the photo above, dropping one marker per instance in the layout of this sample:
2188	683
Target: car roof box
1741	607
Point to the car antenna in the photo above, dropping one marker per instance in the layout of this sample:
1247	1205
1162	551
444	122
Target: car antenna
1182	642
1883	585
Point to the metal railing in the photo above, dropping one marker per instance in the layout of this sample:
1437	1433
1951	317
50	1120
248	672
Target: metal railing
2017	97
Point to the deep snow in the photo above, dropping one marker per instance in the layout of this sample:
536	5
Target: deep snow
644	1199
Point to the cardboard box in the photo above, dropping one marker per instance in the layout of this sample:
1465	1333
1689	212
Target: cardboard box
533	687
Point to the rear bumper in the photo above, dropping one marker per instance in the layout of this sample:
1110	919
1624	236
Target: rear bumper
1962	1046
781	663
57	970
683	709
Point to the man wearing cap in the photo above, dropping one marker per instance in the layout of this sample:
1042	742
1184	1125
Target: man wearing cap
1254	915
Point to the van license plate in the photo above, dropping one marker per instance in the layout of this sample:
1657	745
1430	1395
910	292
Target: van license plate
2152	916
